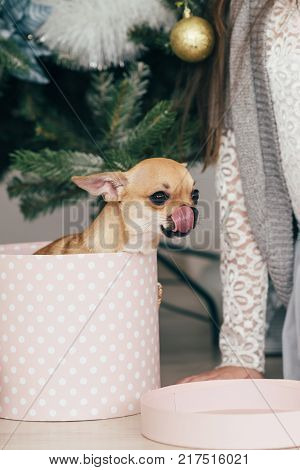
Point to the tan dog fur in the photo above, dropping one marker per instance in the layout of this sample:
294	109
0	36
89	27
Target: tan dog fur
129	221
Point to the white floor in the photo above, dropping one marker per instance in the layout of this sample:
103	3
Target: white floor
186	348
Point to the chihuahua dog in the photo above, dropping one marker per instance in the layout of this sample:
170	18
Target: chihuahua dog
155	197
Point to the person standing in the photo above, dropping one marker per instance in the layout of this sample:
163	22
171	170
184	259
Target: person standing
253	135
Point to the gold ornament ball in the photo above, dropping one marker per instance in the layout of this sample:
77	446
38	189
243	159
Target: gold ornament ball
192	39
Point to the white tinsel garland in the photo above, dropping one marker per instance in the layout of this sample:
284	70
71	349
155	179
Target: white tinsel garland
94	33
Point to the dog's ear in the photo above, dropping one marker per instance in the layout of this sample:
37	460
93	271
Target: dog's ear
109	185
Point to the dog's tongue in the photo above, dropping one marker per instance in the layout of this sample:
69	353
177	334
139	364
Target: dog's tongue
183	218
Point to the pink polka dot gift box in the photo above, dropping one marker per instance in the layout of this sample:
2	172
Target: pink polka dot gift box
79	334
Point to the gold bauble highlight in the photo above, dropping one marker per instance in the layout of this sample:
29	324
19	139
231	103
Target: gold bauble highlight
192	38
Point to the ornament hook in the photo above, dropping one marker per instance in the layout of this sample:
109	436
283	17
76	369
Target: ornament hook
187	13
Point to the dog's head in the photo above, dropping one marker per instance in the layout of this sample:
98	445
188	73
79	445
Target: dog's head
156	195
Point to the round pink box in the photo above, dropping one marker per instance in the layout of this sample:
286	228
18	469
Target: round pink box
224	414
79	334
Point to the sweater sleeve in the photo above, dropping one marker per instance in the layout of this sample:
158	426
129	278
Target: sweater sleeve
243	271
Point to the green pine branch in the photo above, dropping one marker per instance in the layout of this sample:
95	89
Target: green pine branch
44	183
38	196
99	96
56	166
195	5
152	128
151	38
116	105
11	58
52	128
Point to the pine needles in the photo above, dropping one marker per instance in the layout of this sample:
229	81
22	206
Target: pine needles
45	181
11	58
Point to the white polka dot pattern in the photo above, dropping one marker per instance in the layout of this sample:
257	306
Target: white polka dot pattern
78	334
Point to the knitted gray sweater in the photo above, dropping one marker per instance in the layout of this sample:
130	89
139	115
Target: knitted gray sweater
250	113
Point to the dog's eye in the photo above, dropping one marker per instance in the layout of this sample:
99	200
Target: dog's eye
195	196
159	198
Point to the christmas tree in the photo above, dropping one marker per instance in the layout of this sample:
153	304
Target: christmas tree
67	110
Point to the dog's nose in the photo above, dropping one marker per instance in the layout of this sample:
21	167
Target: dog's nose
183	218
